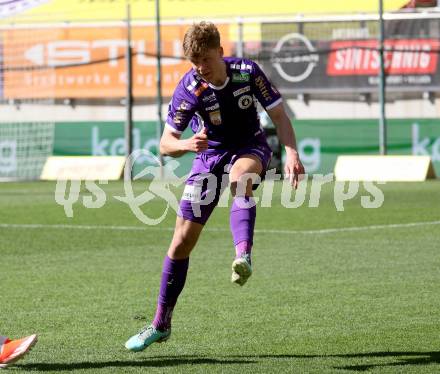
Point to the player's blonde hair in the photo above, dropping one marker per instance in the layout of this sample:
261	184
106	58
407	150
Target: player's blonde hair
199	38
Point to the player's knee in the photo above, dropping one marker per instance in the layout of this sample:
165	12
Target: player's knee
183	242
237	173
241	187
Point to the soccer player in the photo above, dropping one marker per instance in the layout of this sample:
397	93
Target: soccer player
13	350
217	98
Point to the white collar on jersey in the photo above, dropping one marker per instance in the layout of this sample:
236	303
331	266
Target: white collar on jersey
219	87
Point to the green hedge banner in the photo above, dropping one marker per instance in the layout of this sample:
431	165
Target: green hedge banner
319	141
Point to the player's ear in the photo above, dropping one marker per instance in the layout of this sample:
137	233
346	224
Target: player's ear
221	52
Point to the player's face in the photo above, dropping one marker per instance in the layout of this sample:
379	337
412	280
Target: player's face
210	66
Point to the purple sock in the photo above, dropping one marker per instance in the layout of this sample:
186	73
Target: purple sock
173	279
243	248
242	219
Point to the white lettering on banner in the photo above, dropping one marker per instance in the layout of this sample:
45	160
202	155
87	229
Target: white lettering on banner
52	79
403	56
402	79
349	59
310	153
66	52
116	147
115	47
8	156
152	61
348	33
420	146
410	58
98	147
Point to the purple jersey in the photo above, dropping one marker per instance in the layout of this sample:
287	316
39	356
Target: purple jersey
229	112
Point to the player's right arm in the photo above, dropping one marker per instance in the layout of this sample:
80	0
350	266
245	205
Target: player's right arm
181	110
172	145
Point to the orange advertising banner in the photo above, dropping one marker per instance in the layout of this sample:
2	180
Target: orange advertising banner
38	62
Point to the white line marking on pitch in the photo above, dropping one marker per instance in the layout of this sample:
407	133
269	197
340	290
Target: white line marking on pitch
214	229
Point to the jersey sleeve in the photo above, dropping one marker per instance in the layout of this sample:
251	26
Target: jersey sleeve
264	91
180	110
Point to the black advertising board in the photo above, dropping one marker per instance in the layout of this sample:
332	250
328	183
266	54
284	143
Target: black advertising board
338	57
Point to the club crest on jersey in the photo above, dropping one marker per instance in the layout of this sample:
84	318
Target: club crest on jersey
241	77
215	117
245	101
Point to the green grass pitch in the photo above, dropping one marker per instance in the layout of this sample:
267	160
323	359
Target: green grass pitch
332	291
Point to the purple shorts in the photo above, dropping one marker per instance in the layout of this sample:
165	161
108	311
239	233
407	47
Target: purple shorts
209	176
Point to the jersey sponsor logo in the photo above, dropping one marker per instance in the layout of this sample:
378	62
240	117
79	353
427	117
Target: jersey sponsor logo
241	91
208	98
213	107
245	101
241	77
241	66
215	118
192	193
261	84
191	86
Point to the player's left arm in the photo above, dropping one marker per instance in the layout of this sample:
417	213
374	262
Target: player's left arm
272	102
293	166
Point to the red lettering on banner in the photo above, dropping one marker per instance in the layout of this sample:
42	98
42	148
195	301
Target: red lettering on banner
405	56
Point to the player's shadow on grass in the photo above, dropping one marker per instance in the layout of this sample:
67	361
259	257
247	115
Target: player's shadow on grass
402	359
146	362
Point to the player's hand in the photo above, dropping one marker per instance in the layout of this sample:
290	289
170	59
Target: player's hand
198	142
293	168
